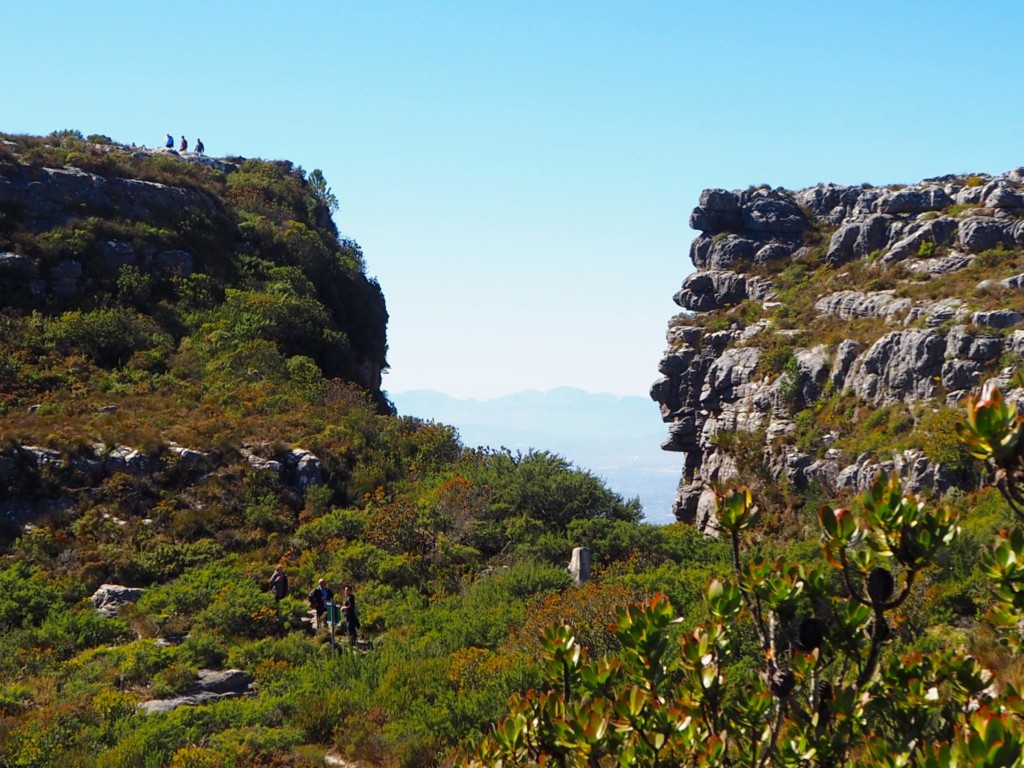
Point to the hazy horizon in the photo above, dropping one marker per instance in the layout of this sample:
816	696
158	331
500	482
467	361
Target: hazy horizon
615	437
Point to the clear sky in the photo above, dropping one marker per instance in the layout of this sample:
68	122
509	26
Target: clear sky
520	174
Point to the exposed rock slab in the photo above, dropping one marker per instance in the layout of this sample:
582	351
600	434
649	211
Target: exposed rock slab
210	686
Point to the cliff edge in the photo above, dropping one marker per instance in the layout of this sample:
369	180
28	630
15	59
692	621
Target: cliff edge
830	332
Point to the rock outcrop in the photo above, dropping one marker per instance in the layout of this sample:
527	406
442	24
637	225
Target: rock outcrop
922	340
75	217
210	686
109	598
79	473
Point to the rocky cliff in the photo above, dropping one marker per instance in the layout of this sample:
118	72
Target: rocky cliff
166	318
826	330
80	220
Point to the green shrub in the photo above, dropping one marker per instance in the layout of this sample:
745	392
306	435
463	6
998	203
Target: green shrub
936	436
109	336
26	597
337	524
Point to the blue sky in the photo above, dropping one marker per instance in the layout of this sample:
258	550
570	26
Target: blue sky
520	175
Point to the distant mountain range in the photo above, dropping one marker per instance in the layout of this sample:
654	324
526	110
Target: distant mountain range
616	438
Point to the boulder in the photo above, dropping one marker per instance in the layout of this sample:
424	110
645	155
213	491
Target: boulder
788	463
771	212
304	468
917	473
713	289
86	467
1005	197
970	346
42	457
684	507
902	365
116	254
261	464
848	305
812	369
718	210
69	269
109	598
775	250
997	318
943	265
936	313
831	202
728	376
189	459
858	239
924	234
210	686
121	458
980	233
842	361
760	288
913	200
15	265
707	513
722	251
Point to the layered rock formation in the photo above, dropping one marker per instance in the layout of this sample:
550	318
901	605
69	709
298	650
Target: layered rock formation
61	480
900	295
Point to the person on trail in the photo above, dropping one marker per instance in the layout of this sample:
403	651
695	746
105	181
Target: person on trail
199	146
351	616
279	583
170	142
183	146
318	600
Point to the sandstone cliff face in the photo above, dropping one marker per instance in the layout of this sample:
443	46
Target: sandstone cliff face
891	297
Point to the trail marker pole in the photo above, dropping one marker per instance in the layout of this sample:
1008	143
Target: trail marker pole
333	619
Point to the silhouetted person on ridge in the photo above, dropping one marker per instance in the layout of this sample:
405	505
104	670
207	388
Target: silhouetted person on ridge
183	146
170	142
199	146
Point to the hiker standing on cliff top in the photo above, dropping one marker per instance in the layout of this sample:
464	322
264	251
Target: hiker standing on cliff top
170	142
199	146
183	146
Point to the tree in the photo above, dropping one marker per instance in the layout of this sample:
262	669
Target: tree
825	688
322	192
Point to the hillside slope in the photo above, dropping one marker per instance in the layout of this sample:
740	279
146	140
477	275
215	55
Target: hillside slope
190	367
152	300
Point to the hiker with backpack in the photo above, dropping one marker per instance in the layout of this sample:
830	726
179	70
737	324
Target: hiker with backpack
318	600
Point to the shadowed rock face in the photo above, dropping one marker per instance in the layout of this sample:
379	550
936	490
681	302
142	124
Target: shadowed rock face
928	350
49	197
